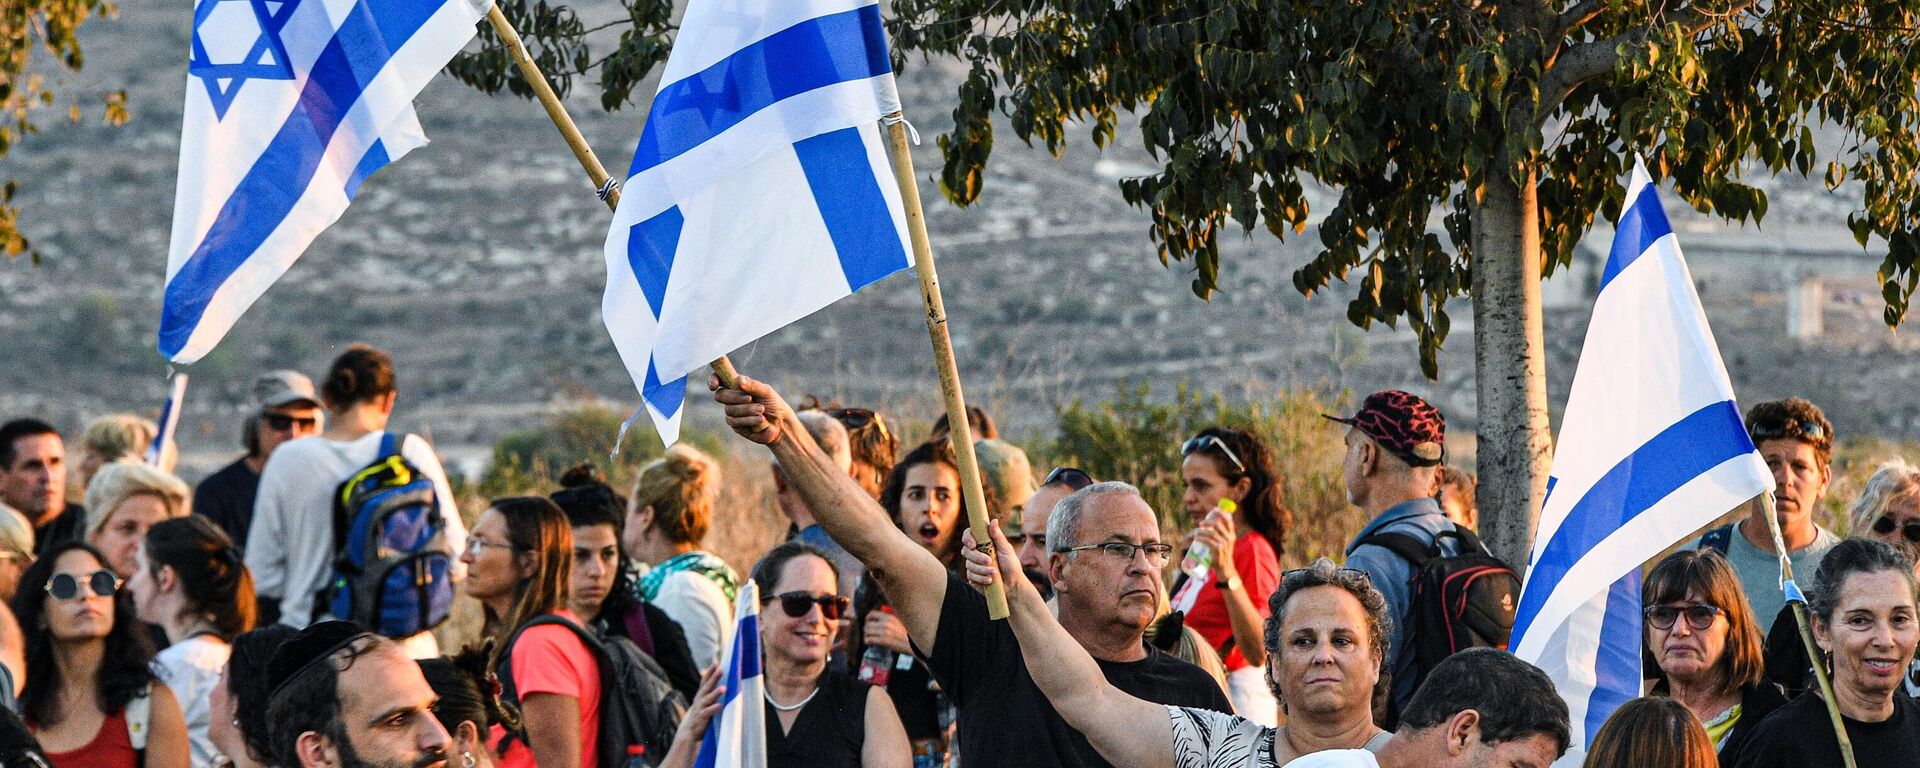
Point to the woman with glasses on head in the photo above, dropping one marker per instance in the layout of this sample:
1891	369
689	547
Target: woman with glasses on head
519	563
1705	648
1864	622
16	550
93	701
1244	541
874	446
191	583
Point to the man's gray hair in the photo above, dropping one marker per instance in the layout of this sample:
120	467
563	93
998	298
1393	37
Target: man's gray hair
831	435
1065	520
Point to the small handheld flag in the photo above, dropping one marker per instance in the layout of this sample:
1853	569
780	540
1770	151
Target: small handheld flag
760	191
291	104
737	736
1651	448
169	420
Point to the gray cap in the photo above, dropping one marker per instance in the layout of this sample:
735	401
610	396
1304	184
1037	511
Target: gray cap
277	388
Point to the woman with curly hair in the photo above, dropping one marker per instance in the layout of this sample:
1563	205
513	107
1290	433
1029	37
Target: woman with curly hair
1228	607
93	700
667	519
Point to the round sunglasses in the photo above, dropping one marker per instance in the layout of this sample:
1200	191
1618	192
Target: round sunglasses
797	604
1700	617
1886	524
66	586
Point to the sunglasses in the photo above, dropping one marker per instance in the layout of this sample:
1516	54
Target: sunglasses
66	586
283	422
1205	441
1069	477
1886	524
1700	617
853	418
797	604
1785	426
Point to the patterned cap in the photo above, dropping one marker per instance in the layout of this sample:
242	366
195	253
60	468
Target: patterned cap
1404	424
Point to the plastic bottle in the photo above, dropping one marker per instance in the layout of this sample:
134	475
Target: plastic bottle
1199	559
636	756
876	665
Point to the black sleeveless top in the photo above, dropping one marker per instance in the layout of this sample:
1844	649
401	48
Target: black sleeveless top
830	730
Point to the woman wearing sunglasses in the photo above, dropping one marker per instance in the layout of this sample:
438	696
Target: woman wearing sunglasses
1705	648
1865	624
1225	464
190	583
817	715
519	564
92	700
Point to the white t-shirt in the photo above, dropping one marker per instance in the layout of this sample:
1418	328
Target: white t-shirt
290	546
191	668
701	609
1336	758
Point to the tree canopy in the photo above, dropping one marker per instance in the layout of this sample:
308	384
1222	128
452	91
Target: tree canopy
50	28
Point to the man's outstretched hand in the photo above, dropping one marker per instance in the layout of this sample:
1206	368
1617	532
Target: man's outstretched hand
754	410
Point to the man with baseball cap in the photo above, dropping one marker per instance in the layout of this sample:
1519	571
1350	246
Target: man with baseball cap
284	407
1395	444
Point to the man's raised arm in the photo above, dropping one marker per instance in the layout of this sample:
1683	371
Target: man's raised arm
914	580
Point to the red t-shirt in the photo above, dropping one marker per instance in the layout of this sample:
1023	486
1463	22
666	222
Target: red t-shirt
1259	568
551	659
111	747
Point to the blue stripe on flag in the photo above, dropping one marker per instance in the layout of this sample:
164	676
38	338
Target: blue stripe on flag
665	398
813	54
746	664
850	203
1703	440
1643	223
650	248
368	37
1617	668
375	159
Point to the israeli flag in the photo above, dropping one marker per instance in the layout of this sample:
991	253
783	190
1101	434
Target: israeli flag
737	737
760	192
1651	448
291	104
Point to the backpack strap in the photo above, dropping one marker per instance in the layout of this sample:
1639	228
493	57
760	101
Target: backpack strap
1407	546
139	714
389	445
1718	539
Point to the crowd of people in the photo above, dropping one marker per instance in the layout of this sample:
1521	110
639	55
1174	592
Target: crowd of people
280	613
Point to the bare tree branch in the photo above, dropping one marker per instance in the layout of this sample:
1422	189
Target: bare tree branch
1578	14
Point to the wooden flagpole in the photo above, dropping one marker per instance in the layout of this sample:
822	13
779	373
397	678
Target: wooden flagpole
603	182
1799	608
959	432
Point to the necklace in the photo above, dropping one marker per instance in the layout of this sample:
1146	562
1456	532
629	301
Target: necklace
789	707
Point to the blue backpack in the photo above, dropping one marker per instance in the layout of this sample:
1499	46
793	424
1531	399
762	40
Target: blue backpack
391	573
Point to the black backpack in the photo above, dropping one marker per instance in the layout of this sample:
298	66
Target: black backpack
1455	602
639	707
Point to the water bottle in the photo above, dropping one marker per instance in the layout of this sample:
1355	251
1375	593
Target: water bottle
1199	559
636	756
876	665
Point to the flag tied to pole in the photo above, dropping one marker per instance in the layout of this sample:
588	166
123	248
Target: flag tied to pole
1652	447
291	104
737	736
760	191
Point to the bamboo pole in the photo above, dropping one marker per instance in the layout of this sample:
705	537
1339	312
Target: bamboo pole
1799	608
959	433
603	182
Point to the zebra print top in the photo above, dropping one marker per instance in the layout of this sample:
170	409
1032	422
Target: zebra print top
1207	739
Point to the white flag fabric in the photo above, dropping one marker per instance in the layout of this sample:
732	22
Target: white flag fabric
291	104
169	421
737	736
760	191
1652	447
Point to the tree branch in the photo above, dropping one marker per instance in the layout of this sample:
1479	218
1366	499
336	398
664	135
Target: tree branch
1578	14
1591	59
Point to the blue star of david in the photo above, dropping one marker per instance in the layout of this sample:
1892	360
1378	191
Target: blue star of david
266	57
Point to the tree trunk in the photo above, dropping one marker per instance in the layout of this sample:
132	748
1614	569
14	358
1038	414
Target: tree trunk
1516	445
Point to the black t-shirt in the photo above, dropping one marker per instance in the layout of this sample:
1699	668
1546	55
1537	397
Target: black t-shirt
1800	735
830	731
226	498
71	525
1005	719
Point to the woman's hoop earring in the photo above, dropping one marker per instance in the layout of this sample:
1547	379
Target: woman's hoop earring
466	760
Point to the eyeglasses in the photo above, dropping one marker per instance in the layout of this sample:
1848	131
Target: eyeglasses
1069	477
853	418
283	422
1787	426
477	545
66	586
1157	552
1886	524
1700	617
797	604
1204	441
